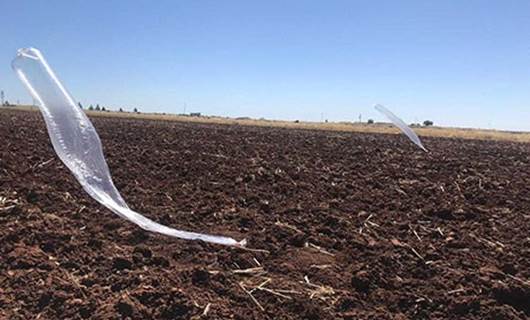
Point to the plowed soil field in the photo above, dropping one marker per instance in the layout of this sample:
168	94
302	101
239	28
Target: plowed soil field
339	225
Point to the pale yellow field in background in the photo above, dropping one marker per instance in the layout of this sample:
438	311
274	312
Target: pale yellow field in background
484	134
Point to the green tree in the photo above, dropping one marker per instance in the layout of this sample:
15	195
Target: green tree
428	123
91	108
80	105
98	108
370	121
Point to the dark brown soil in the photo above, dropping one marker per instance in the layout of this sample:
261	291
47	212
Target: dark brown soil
349	226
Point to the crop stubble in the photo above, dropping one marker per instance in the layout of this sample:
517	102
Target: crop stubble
340	225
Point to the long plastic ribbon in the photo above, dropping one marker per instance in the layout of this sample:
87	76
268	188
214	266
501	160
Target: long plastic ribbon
401	125
77	144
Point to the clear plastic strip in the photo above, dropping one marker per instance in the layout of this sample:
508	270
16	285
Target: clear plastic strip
401	125
77	144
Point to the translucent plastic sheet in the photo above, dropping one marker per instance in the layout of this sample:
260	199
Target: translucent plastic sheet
401	125
77	144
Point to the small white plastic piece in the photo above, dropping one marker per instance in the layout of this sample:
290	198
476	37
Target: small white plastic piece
401	125
77	144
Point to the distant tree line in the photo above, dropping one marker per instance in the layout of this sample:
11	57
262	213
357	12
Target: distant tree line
426	123
102	109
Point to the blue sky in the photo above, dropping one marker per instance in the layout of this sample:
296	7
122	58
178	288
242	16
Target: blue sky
458	63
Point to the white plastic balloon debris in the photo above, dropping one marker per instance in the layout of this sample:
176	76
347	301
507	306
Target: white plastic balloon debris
77	144
401	125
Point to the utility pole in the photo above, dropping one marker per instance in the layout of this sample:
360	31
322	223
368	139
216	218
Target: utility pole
2	95
360	118
322	117
185	105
